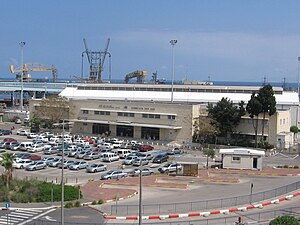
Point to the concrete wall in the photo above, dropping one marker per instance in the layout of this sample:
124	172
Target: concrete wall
245	162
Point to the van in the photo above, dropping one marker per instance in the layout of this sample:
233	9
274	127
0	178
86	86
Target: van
123	153
24	146
109	157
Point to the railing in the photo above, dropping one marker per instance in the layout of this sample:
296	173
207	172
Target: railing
183	207
262	218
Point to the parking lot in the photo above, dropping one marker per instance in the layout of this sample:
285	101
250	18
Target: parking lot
53	174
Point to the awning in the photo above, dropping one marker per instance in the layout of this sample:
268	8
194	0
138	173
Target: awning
128	123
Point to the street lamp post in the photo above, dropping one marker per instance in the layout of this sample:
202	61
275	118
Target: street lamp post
22	44
140	195
173	42
251	189
62	176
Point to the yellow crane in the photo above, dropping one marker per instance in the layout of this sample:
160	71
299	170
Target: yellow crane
139	74
32	67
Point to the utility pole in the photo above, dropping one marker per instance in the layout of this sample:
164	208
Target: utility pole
22	44
173	42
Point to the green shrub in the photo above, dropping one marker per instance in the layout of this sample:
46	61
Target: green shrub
94	203
285	220
77	204
296	167
100	201
69	205
285	166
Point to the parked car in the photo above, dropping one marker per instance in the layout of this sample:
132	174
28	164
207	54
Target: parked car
113	174
36	148
6	140
77	165
47	160
21	163
173	151
96	167
52	150
66	163
170	167
140	162
5	132
32	135
10	145
79	155
38	165
22	132
129	159
145	172
54	162
18	121
73	152
109	157
160	158
91	156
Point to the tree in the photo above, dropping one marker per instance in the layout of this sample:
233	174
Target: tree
267	99
254	108
53	109
225	115
203	129
7	163
210	153
284	220
294	129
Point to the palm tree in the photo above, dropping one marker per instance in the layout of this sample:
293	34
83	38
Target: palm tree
7	163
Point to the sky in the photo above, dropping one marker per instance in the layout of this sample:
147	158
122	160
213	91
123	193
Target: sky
217	40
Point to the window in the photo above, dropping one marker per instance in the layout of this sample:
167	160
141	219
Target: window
84	124
85	111
236	158
151	116
125	114
145	115
171	117
97	112
157	116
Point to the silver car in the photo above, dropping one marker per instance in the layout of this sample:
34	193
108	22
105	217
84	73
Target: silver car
91	156
54	162
66	163
96	167
113	174
77	165
37	165
140	162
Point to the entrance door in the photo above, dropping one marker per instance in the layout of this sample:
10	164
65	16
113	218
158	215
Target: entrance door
254	163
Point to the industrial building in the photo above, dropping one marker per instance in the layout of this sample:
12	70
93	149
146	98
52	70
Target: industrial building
166	112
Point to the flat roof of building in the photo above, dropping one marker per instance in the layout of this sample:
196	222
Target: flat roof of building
241	151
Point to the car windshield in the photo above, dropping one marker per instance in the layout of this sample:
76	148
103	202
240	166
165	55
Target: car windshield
76	163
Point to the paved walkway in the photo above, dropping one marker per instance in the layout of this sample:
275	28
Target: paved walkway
102	190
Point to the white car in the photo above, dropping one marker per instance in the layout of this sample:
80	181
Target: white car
36	148
22	132
21	163
32	135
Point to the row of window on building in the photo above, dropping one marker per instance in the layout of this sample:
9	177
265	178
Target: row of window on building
128	114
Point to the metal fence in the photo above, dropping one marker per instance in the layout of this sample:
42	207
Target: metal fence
183	207
262	218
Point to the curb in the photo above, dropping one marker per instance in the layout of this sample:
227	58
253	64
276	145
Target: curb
208	213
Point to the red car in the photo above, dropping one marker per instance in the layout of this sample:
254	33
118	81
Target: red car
90	141
145	148
34	157
6	140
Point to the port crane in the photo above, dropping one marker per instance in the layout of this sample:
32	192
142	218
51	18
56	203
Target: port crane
139	74
96	61
32	67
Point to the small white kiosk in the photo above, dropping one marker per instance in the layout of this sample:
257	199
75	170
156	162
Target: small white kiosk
242	158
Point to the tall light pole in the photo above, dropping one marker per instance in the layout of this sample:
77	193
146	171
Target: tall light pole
22	44
298	88
140	195
62	177
173	42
